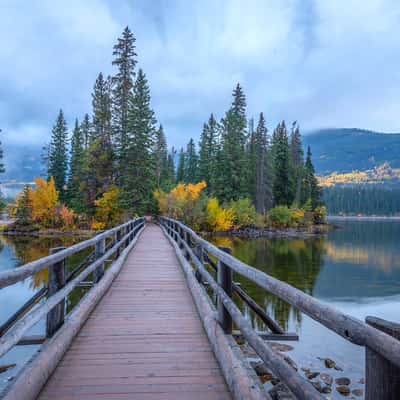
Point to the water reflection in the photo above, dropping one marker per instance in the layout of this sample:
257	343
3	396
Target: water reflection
358	262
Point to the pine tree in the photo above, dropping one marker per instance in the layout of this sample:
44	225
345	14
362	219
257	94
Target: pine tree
263	189
58	158
137	175
23	215
207	152
311	191
98	169
180	172
231	179
282	185
161	158
74	191
191	162
125	61
101	103
86	130
170	180
296	161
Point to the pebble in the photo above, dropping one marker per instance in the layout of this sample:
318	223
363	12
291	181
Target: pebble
343	381
311	375
326	390
326	378
357	392
345	390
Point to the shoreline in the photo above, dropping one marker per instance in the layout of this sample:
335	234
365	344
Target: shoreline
362	218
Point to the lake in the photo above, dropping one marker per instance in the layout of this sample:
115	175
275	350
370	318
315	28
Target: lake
355	268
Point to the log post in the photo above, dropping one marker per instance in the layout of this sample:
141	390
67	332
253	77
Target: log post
117	240
200	256
382	378
99	250
57	279
225	282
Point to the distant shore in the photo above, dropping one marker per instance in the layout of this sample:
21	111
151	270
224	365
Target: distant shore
362	218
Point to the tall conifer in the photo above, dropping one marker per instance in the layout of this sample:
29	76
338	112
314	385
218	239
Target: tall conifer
58	157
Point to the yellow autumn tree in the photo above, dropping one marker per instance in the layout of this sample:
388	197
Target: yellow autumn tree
108	209
218	218
182	202
44	199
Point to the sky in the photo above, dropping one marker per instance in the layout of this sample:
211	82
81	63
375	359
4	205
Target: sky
324	63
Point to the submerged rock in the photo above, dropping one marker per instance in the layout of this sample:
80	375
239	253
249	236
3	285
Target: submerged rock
343	381
345	390
326	378
6	367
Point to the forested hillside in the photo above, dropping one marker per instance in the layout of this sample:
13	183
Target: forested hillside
345	150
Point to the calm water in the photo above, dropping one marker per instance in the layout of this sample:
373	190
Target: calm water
355	268
16	251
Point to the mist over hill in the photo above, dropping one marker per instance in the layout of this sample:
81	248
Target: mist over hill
345	150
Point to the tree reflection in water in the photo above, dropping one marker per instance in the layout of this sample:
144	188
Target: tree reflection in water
295	261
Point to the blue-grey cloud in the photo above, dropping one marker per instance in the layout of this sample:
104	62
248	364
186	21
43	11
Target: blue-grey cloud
320	62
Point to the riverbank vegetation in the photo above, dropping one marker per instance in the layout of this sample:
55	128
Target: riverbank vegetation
116	164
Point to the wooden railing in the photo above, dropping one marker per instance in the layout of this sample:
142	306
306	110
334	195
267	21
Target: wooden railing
107	245
377	336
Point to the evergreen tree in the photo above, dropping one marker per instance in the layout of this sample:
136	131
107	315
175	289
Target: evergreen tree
263	189
191	162
180	172
311	191
161	158
125	61
231	179
58	158
282	185
86	130
170	180
101	103
137	174
296	161
74	191
23	215
98	169
207	152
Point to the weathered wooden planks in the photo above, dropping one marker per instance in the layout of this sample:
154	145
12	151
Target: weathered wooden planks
144	340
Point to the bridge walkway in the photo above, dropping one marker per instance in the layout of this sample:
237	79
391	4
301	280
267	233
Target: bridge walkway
144	340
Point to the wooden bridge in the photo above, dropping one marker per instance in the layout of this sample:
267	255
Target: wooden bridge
147	328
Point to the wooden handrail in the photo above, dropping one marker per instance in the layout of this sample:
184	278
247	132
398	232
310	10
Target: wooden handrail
299	386
13	335
352	329
12	276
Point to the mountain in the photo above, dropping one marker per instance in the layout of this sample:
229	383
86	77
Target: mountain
345	150
22	161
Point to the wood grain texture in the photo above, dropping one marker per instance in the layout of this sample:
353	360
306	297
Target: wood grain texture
144	340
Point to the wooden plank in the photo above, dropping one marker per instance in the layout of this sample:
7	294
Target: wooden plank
144	340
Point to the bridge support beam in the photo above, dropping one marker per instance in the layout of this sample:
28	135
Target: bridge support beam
382	378
225	282
100	249
57	279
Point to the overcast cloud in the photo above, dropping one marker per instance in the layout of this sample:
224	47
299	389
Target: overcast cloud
325	63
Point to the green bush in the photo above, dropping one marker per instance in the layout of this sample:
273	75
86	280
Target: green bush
244	212
280	216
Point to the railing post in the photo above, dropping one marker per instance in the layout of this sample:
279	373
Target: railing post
225	282
99	250
200	256
382	378
57	279
117	240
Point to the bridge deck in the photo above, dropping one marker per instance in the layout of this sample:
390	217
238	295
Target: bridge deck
144	340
